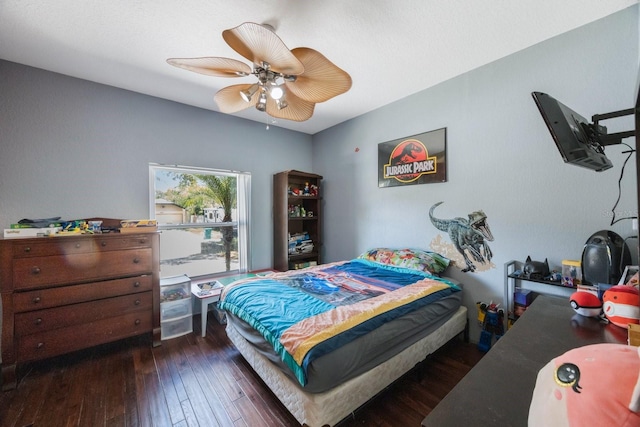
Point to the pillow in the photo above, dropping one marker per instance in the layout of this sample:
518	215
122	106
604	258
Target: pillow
415	259
595	385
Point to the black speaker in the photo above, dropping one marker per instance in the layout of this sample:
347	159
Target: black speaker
604	258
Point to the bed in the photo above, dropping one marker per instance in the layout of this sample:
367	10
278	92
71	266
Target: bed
328	338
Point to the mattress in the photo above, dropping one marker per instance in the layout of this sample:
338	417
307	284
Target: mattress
334	321
331	406
363	353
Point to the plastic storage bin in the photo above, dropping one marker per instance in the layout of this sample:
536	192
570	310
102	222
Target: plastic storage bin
176	315
175	288
175	309
176	328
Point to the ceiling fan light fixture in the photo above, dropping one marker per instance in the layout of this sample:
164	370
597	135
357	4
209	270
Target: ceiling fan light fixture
248	93
281	103
276	92
301	75
262	102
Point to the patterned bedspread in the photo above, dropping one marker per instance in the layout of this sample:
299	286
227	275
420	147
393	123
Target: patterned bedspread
307	313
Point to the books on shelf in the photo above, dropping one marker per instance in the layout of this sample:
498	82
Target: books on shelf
301	247
298	237
301	265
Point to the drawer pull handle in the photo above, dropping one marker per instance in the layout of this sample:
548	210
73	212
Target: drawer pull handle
136	284
137	322
137	302
77	245
39	345
38	321
136	260
35	270
36	300
103	243
143	241
27	249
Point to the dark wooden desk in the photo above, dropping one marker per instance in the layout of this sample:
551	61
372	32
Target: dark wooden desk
498	390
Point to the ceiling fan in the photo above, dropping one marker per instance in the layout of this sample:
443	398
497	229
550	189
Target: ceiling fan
290	82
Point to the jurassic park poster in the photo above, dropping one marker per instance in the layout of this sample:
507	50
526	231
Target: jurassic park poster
417	159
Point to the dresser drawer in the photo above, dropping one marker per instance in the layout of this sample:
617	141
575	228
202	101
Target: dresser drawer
60	269
78	245
53	297
63	340
59	317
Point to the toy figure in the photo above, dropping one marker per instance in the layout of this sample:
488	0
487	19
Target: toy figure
535	269
492	324
313	190
305	191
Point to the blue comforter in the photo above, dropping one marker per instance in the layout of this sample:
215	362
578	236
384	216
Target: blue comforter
307	313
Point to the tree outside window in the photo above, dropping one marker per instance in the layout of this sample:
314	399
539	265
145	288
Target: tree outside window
203	218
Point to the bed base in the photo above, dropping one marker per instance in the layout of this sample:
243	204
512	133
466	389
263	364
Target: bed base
328	408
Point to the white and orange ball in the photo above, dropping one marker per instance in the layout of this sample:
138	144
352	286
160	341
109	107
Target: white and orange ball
621	305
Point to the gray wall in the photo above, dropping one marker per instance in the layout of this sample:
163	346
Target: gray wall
78	149
500	157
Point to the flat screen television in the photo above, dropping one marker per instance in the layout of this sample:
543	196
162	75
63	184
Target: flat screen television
576	138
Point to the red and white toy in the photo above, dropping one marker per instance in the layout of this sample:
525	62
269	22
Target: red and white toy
586	304
621	305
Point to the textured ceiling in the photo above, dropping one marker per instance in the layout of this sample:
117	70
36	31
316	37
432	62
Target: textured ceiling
391	49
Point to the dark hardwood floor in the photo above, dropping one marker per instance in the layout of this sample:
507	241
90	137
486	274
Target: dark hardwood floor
195	381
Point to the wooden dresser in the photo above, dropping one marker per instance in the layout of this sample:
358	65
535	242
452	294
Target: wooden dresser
61	294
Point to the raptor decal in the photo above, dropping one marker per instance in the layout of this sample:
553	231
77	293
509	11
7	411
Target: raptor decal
468	235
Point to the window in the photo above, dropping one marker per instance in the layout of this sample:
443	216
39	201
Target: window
203	218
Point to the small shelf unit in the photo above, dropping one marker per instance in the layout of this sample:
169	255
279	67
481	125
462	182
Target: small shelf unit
176	314
513	281
305	220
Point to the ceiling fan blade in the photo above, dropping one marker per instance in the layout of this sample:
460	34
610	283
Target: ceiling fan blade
229	100
213	66
297	110
259	44
321	80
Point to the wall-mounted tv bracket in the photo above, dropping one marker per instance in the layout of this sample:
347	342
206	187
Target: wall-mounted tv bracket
601	131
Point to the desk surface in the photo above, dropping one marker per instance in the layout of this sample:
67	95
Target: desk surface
498	390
